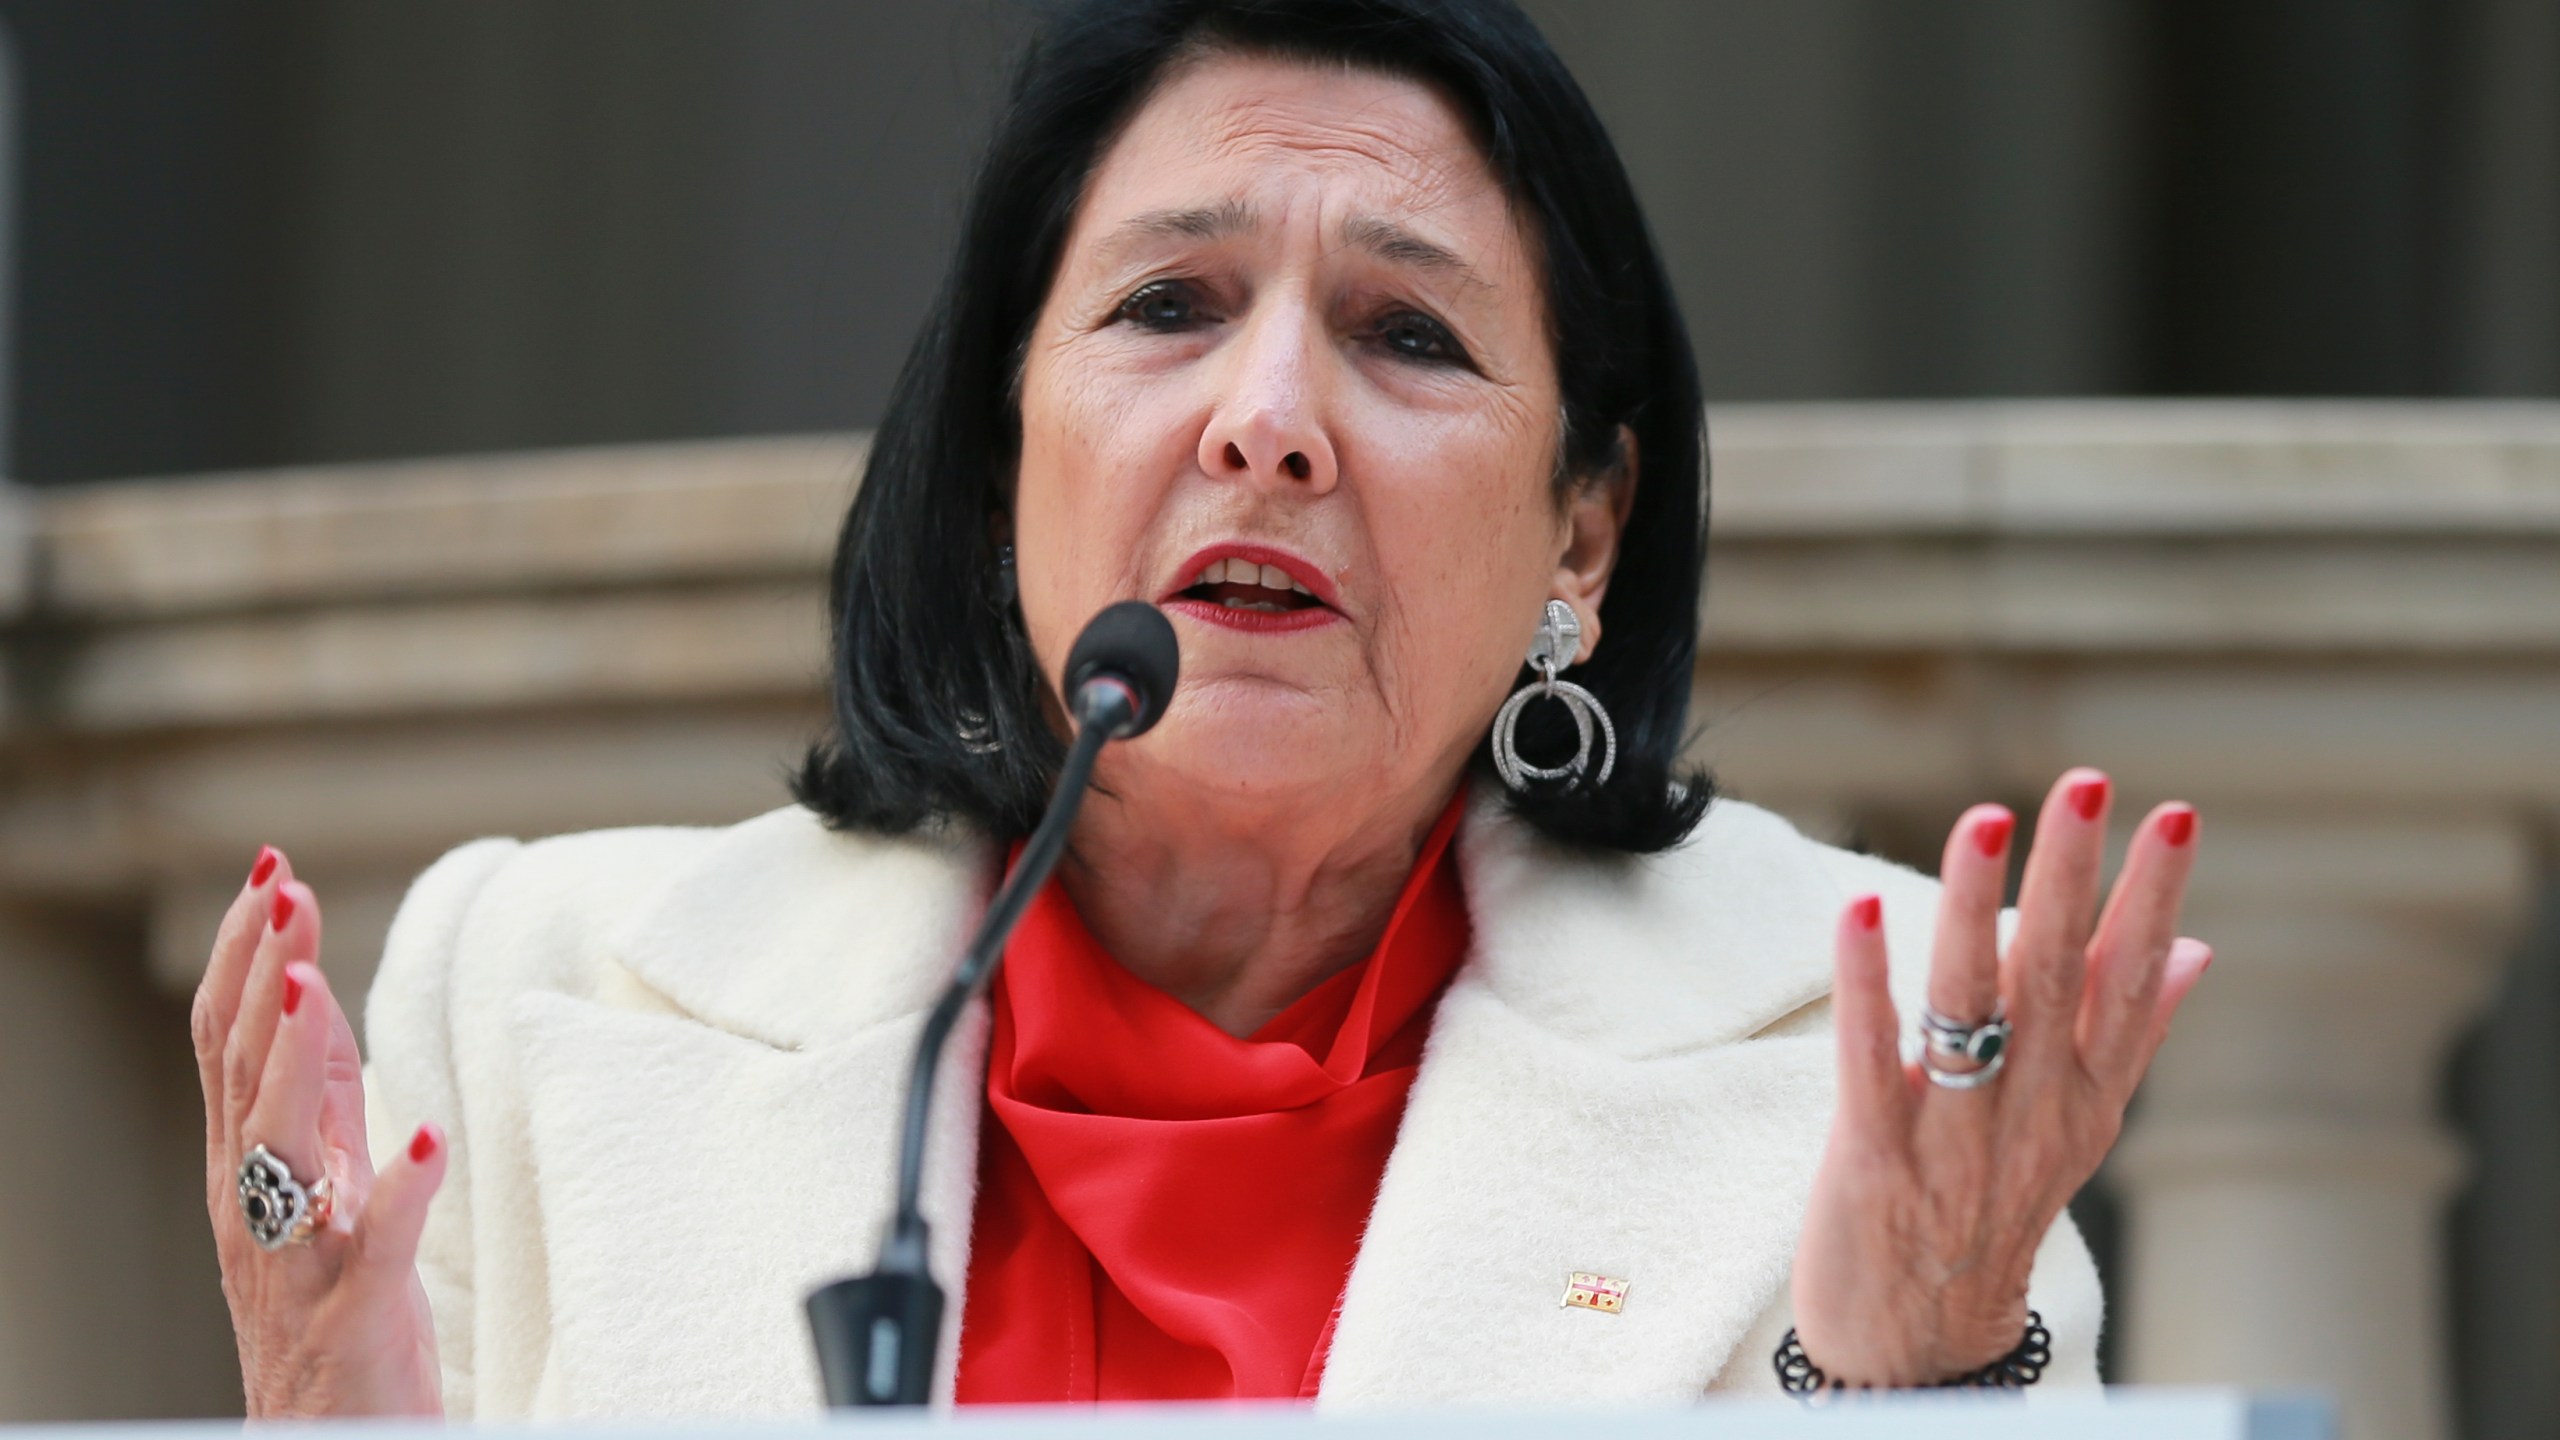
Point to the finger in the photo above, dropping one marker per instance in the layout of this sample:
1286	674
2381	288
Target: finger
286	1116
2132	944
1964	965
1873	1098
218	993
343	1136
2057	906
292	933
2188	960
385	1252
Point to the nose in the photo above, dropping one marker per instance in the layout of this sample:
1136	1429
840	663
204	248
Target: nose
1267	424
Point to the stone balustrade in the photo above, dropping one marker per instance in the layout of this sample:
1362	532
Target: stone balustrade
2335	628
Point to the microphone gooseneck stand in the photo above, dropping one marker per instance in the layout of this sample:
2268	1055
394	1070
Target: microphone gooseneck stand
878	1335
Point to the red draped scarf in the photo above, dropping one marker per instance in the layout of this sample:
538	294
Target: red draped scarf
1168	1212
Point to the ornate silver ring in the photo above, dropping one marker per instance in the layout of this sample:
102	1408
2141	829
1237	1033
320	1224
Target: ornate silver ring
1958	1056
278	1209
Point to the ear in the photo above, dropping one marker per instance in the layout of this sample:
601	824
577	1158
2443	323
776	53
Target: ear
1595	520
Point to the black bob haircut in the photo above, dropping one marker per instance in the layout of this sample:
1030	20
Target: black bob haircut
938	703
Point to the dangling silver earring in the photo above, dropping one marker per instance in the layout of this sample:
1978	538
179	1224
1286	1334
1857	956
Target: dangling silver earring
1559	638
1007	587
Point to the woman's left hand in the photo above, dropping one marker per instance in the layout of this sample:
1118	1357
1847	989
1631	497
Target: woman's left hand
1931	1202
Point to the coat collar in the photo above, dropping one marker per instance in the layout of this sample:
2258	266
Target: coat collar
789	933
1646	956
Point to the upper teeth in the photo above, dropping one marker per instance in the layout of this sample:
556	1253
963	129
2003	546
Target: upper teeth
1245	572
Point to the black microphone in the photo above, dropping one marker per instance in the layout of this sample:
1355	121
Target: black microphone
878	1334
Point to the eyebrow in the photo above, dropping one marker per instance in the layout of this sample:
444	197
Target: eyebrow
1397	245
1206	222
1383	238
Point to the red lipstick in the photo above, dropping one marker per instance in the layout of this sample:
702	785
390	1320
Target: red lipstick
1187	598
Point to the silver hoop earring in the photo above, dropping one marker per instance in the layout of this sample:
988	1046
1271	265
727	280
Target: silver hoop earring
1559	638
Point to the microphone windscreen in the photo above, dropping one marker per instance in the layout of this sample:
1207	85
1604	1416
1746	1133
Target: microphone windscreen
1133	642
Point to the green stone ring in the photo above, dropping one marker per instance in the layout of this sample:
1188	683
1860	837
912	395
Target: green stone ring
1958	1056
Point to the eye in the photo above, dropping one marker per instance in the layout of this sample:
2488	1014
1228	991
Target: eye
1162	305
1416	336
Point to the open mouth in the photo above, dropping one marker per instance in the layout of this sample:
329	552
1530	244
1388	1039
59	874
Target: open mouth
1239	584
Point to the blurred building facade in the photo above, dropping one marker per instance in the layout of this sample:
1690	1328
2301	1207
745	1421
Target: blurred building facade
258	232
279	233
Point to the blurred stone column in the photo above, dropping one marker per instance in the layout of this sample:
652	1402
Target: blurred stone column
2286	1176
109	1303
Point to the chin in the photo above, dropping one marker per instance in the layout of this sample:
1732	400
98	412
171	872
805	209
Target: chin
1253	740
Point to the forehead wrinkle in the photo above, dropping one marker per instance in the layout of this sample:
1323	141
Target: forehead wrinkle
1436	170
1398	143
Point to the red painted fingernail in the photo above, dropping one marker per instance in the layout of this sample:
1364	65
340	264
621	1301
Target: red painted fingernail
2089	796
1868	910
292	992
1991	833
281	914
265	868
2178	826
424	1143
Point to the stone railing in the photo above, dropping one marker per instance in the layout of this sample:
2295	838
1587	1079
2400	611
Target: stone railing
2334	628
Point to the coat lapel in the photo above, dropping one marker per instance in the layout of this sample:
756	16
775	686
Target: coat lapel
722	1139
1592	1100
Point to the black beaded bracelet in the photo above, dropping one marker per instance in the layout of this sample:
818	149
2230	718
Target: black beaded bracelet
2021	1367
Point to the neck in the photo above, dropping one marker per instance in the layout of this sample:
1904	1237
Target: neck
1239	912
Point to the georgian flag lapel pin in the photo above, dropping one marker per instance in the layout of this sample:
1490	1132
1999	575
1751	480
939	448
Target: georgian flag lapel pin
1586	1291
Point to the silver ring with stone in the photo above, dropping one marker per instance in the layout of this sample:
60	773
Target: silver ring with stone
1958	1056
279	1209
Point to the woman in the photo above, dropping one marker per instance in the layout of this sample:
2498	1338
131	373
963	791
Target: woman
1372	1011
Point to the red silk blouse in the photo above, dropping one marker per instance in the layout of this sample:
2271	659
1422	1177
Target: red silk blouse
1169	1212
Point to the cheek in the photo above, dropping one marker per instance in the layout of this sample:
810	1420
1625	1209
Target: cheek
1466	544
1089	485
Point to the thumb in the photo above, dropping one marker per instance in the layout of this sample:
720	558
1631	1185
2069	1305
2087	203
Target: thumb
395	1215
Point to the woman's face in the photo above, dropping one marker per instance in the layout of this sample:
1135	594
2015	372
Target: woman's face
1293	382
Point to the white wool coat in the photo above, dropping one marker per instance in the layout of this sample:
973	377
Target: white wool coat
670	1064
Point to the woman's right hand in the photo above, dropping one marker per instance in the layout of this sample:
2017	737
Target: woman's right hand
337	1325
